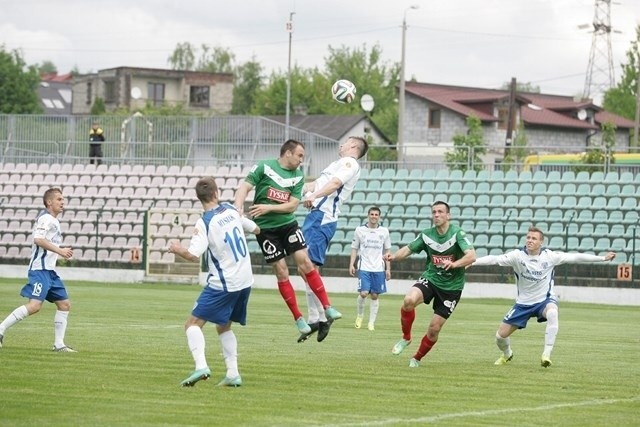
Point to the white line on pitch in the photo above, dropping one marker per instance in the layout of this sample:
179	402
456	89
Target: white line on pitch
443	417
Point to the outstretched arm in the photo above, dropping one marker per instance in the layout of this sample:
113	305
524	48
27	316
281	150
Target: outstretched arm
401	254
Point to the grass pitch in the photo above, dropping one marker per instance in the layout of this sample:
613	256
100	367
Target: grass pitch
133	355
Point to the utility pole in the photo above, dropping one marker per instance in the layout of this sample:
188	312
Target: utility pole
289	29
636	122
510	116
400	143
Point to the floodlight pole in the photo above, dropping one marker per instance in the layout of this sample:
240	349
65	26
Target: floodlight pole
400	143
289	29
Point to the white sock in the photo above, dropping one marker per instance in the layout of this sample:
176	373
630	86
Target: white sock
504	344
373	310
230	353
196	343
360	305
551	332
16	315
59	328
316	310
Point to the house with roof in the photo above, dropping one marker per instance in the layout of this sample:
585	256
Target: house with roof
336	127
55	94
134	87
435	113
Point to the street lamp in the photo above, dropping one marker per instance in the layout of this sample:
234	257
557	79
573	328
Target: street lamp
399	147
286	121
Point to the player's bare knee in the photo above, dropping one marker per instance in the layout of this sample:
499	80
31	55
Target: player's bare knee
63	305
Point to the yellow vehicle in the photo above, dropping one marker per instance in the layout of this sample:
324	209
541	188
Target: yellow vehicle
623	162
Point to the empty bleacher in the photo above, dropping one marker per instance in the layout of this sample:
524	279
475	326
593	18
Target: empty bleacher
578	212
105	207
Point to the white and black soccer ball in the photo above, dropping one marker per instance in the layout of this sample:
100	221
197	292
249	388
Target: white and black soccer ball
343	91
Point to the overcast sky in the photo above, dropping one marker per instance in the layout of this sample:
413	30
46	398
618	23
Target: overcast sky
460	42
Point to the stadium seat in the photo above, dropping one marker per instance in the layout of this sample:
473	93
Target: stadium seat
603	244
553	177
491	187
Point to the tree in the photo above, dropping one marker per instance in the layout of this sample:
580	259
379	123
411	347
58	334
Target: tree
47	67
183	57
598	158
467	148
247	81
98	107
621	99
213	60
311	88
216	60
18	84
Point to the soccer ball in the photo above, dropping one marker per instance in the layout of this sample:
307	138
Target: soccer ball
343	91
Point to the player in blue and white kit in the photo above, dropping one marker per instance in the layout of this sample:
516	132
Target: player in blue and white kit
534	266
220	234
370	243
44	282
323	197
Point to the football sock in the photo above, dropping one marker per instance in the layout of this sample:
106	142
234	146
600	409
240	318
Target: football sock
406	320
59	327
360	305
16	315
196	343
425	346
230	353
315	283
289	296
373	310
316	312
504	344
550	332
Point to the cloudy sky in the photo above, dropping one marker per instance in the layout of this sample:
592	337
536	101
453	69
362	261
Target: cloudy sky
459	42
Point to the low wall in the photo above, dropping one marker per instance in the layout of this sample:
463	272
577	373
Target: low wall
613	296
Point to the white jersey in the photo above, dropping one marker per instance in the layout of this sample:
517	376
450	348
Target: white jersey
535	273
47	227
220	233
347	170
371	244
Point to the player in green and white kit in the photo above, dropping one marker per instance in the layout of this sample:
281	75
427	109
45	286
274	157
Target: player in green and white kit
278	190
448	251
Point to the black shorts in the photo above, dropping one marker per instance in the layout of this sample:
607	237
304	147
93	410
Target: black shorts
444	302
276	243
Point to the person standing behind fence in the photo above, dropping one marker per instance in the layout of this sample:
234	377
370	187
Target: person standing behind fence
44	283
370	243
96	138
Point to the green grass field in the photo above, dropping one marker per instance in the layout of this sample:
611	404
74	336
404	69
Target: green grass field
133	355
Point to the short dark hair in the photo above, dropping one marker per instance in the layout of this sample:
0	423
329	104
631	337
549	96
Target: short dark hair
49	194
534	229
374	208
440	202
290	145
207	189
363	145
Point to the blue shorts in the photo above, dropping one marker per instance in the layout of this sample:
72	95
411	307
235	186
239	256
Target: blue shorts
318	235
220	307
44	285
520	314
374	282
